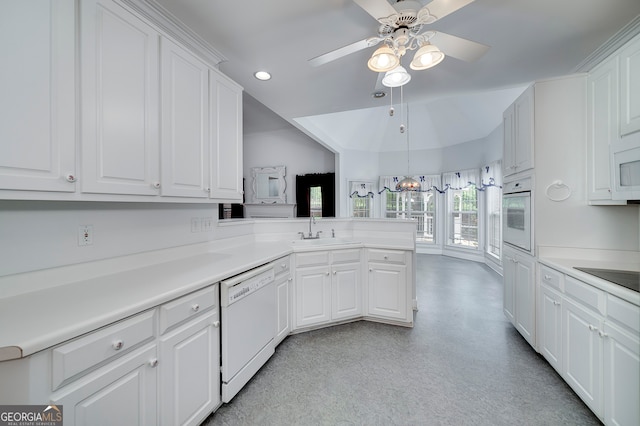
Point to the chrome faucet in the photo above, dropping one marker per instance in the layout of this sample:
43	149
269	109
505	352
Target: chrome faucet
312	220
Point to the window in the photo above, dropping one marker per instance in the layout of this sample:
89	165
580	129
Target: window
315	201
492	182
361	199
462	209
419	205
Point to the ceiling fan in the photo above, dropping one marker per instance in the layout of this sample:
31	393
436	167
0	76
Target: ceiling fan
400	30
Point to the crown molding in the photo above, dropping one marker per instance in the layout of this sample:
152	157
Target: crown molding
173	27
618	40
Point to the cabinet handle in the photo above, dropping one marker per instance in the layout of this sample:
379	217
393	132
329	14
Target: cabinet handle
547	277
71	178
327	273
216	324
284	266
335	272
386	257
602	334
156	185
555	302
195	307
153	363
593	328
370	269
207	190
117	345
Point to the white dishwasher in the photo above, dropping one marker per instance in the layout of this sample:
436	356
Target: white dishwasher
248	316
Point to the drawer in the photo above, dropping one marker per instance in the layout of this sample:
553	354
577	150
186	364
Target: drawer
282	266
390	256
312	258
551	277
345	256
179	310
88	351
590	296
623	312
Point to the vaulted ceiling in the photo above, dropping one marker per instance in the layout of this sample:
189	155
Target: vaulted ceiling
454	102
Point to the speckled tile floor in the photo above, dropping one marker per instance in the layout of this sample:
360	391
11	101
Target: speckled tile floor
463	363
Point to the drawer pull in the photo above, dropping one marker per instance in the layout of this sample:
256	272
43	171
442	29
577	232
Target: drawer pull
195	307
603	334
284	266
216	324
555	302
386	257
117	345
547	277
153	363
593	328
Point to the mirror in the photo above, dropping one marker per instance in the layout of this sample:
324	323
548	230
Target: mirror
269	185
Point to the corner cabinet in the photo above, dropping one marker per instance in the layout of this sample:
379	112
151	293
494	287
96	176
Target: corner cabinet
518	125
37	124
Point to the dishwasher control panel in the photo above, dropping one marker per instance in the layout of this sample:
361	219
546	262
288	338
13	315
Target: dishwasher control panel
245	284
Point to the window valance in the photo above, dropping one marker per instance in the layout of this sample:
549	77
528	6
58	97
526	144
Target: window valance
361	190
491	176
460	180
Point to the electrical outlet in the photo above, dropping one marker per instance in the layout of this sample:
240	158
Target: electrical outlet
207	224
196	224
85	235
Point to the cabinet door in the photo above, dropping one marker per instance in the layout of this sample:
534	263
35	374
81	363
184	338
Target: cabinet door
120	106
524	137
282	296
190	372
37	105
185	123
549	330
313	296
582	354
387	291
122	392
346	295
602	128
508	154
525	302
630	87
226	138
621	377
509	280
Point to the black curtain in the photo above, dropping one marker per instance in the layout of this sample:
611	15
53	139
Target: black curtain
327	182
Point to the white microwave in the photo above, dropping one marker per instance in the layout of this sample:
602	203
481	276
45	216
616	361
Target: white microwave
625	169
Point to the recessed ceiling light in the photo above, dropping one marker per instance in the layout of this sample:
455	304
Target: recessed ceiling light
379	94
262	75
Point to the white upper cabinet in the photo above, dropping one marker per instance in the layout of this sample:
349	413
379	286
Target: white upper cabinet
518	122
602	129
630	87
37	105
120	102
226	138
185	118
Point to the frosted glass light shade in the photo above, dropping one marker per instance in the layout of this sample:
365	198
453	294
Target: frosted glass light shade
383	60
426	57
396	77
408	184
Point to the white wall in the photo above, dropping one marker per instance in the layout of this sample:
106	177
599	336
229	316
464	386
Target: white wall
285	147
43	234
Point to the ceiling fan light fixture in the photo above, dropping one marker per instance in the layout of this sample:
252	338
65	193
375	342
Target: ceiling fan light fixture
383	59
426	57
396	77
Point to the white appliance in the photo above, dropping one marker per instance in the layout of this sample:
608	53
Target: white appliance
248	316
625	166
516	214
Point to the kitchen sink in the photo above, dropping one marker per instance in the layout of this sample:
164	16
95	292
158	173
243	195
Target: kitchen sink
324	242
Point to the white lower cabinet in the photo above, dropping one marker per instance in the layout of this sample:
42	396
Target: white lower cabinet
330	291
596	343
519	292
582	364
123	392
123	374
189	374
283	300
388	295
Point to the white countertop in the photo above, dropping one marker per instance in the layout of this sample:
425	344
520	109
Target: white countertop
567	264
82	298
40	319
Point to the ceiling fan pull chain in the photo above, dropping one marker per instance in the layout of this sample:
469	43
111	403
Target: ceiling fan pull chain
402	126
391	110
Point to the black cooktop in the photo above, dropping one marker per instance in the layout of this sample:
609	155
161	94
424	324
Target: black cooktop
628	279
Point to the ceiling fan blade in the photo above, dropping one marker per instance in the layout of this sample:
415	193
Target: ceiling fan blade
441	8
458	47
344	51
376	8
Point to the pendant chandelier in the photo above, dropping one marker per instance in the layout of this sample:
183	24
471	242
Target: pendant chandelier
408	183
